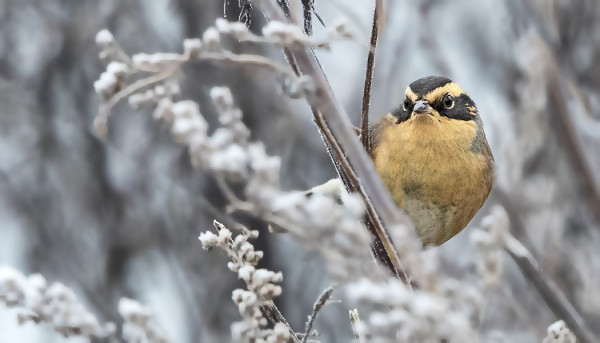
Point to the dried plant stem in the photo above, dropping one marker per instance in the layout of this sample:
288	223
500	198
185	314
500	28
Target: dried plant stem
323	298
355	320
364	119
248	59
101	119
340	133
309	8
275	316
554	298
223	56
285	7
236	204
269	308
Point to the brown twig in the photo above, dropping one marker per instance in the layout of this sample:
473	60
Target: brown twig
355	320
366	101
323	298
309	9
378	246
552	295
275	316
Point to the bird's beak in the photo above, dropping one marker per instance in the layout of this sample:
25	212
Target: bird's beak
422	106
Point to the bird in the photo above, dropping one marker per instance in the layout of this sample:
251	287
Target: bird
433	157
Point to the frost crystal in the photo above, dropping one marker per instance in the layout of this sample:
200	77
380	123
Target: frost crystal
559	333
55	304
104	38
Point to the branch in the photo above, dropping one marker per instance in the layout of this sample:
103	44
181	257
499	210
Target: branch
240	259
101	120
275	317
364	119
349	179
309	7
552	295
323	298
355	321
336	120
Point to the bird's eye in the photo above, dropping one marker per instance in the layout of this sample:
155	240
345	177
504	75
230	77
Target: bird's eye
448	101
406	104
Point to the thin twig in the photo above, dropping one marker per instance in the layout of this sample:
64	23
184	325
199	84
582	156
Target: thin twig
355	321
101	119
364	119
256	60
224	56
552	295
245	12
319	18
285	6
269	308
309	8
235	203
323	298
275	317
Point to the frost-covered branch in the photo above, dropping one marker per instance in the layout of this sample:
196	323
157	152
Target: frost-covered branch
262	287
58	306
394	313
139	326
54	304
319	304
163	67
230	157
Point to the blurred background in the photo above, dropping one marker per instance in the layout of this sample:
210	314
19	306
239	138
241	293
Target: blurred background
120	217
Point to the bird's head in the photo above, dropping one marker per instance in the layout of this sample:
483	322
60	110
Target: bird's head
435	100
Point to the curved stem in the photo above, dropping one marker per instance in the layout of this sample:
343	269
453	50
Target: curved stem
364	119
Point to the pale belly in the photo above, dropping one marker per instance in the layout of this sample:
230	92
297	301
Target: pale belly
431	221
